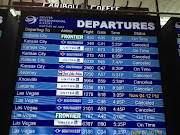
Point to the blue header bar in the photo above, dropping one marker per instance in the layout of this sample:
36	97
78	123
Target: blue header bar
75	23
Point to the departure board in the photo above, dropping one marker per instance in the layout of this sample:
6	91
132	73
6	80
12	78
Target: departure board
81	75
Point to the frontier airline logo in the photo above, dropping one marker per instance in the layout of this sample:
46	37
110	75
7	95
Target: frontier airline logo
31	19
68	115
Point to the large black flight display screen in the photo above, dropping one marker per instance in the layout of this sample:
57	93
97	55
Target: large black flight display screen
88	75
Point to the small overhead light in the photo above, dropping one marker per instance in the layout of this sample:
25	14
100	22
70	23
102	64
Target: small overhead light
18	13
13	12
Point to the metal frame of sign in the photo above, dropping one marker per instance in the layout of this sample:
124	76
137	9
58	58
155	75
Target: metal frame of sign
171	60
8	33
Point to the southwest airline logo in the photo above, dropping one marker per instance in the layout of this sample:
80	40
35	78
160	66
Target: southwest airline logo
1	19
177	25
31	19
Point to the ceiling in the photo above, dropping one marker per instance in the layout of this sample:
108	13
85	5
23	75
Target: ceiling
164	5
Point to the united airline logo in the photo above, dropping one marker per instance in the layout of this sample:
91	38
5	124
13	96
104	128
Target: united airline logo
1	19
69	79
67	122
69	93
177	25
70	60
71	48
69	86
31	19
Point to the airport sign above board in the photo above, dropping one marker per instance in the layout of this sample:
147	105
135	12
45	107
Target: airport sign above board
78	6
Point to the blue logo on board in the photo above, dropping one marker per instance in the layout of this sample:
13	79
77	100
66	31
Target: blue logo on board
78	60
77	93
1	19
77	86
75	122
31	19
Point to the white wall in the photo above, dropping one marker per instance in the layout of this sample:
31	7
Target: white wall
4	2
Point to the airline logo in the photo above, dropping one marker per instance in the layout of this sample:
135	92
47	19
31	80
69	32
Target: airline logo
71	48
58	107
69	86
1	19
71	67
73	131
63	42
31	19
71	54
68	115
69	93
70	79
57	131
71	42
70	60
69	100
67	122
70	73
69	108
72	36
